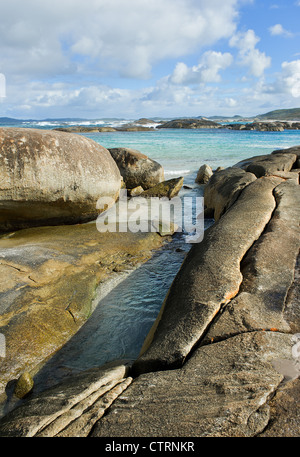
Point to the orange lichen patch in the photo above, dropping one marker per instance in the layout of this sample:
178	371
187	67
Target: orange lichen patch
274	329
230	295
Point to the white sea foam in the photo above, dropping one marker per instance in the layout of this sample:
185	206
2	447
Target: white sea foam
177	172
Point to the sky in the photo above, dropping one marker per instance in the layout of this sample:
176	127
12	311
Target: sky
148	58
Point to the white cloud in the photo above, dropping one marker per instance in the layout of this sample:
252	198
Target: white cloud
47	38
286	83
249	55
289	79
278	29
206	71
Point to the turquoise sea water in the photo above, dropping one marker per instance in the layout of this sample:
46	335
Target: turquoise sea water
124	314
183	151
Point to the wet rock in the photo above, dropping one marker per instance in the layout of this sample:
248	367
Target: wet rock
169	189
204	174
224	188
51	178
136	168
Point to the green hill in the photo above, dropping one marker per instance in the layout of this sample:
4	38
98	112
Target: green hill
282	115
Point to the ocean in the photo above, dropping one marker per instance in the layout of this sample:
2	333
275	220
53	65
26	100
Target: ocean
182	151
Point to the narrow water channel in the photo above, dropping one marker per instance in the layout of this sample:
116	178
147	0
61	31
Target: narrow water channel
124	312
122	317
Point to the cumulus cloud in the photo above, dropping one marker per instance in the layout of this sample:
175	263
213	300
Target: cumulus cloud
57	37
249	55
289	80
207	71
278	29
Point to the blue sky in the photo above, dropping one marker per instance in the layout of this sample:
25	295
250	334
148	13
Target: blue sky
141	58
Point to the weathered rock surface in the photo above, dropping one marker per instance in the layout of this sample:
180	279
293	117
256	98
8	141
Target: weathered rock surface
136	168
63	407
284	412
209	278
169	189
268	274
292	150
268	165
204	174
189	124
50	178
221	391
224	188
49	277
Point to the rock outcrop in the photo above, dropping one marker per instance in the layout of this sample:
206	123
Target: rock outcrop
51	178
222	359
189	124
136	168
96	129
277	126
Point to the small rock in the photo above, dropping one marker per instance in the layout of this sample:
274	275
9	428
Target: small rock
136	191
204	174
168	189
24	385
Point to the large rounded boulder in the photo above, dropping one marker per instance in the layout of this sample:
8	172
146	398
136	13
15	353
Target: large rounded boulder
50	178
137	169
